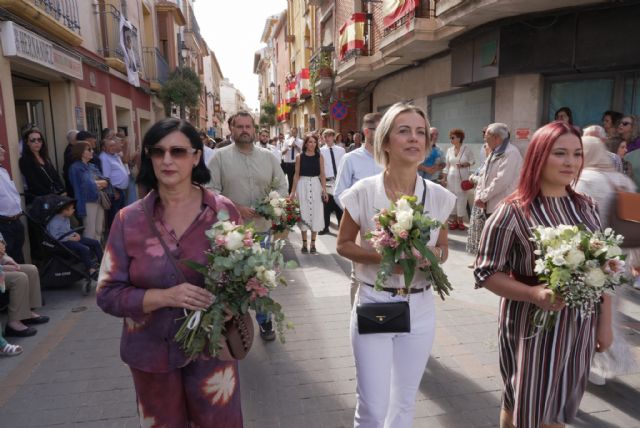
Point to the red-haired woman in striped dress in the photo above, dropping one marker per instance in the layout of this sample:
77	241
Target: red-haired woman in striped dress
545	374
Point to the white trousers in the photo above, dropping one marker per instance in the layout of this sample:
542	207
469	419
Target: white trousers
94	221
389	366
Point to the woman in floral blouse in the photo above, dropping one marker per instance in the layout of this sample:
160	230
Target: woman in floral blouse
139	283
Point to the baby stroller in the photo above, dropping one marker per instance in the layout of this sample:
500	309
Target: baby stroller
61	266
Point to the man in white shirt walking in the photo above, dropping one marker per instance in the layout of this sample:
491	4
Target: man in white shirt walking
292	146
332	155
263	141
355	166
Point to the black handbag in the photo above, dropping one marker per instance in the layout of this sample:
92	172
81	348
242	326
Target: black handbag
392	317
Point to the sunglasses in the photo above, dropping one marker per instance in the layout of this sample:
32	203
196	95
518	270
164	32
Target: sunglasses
175	152
35	140
625	123
453	137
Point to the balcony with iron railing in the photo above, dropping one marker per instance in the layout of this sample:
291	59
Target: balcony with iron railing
110	47
416	34
156	68
60	18
321	69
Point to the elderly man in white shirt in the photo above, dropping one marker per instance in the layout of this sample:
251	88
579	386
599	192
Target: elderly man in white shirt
292	146
332	155
114	169
355	166
498	178
245	174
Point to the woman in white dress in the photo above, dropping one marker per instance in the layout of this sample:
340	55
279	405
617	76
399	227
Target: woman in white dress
459	160
310	187
389	366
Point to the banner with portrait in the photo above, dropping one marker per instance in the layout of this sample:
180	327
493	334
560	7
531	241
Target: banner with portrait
128	39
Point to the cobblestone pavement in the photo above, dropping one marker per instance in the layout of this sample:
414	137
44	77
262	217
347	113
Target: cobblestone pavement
71	375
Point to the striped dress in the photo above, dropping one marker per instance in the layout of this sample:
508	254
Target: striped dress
545	375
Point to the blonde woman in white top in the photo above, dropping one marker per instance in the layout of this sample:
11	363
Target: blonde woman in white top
459	159
389	366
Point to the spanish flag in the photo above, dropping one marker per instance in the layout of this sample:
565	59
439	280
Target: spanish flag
291	97
282	113
352	34
303	83
393	10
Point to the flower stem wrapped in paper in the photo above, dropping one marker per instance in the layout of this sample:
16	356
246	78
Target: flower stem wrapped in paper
240	274
578	266
283	213
401	237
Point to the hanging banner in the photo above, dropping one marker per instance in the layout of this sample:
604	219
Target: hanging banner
303	85
393	10
291	96
351	35
127	38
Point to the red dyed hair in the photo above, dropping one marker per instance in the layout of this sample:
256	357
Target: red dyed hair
535	160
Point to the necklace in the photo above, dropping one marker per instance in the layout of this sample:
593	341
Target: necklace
394	190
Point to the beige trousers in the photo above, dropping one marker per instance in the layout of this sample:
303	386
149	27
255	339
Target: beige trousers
24	292
94	221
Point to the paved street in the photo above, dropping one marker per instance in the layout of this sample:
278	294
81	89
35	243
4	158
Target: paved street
71	373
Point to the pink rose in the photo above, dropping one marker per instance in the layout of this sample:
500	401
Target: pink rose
220	240
613	267
404	234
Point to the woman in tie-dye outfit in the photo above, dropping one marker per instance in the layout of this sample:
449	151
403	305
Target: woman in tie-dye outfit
139	284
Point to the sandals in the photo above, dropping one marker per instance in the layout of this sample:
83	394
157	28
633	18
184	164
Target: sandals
461	226
312	250
10	350
304	247
453	226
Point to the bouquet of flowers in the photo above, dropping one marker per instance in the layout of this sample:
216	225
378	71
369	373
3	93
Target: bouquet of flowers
577	265
284	213
400	237
240	273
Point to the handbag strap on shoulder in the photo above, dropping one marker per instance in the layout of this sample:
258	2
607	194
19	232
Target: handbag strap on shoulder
156	232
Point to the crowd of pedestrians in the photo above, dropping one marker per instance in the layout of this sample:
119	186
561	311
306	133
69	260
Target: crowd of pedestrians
184	178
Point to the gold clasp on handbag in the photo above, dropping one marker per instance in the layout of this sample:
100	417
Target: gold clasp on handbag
401	292
381	317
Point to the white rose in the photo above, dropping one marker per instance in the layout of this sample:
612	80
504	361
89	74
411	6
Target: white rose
397	229
274	195
613	251
270	277
574	258
404	206
277	211
595	278
234	241
405	219
540	267
274	202
227	226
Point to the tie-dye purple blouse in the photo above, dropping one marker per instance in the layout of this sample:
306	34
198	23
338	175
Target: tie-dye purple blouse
135	261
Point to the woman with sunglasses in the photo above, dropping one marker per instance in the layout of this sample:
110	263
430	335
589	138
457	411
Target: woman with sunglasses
40	175
150	288
629	131
459	159
86	183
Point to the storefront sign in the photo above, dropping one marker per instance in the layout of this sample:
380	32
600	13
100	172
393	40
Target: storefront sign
22	43
523	133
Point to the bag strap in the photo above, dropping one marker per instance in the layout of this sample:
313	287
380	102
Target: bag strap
462	150
424	193
155	231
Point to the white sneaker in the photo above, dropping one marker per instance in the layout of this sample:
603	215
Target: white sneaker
596	379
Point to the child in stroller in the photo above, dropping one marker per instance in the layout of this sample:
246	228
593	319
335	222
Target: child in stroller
59	226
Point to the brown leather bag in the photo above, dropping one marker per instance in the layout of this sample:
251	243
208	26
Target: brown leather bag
239	334
238	331
624	217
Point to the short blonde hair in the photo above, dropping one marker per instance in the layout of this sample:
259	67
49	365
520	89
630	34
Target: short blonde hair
328	131
381	138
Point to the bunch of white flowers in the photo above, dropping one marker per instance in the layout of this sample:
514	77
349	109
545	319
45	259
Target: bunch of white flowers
577	265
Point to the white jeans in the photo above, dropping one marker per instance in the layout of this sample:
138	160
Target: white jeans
389	366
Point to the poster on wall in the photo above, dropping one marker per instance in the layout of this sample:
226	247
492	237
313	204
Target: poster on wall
126	44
